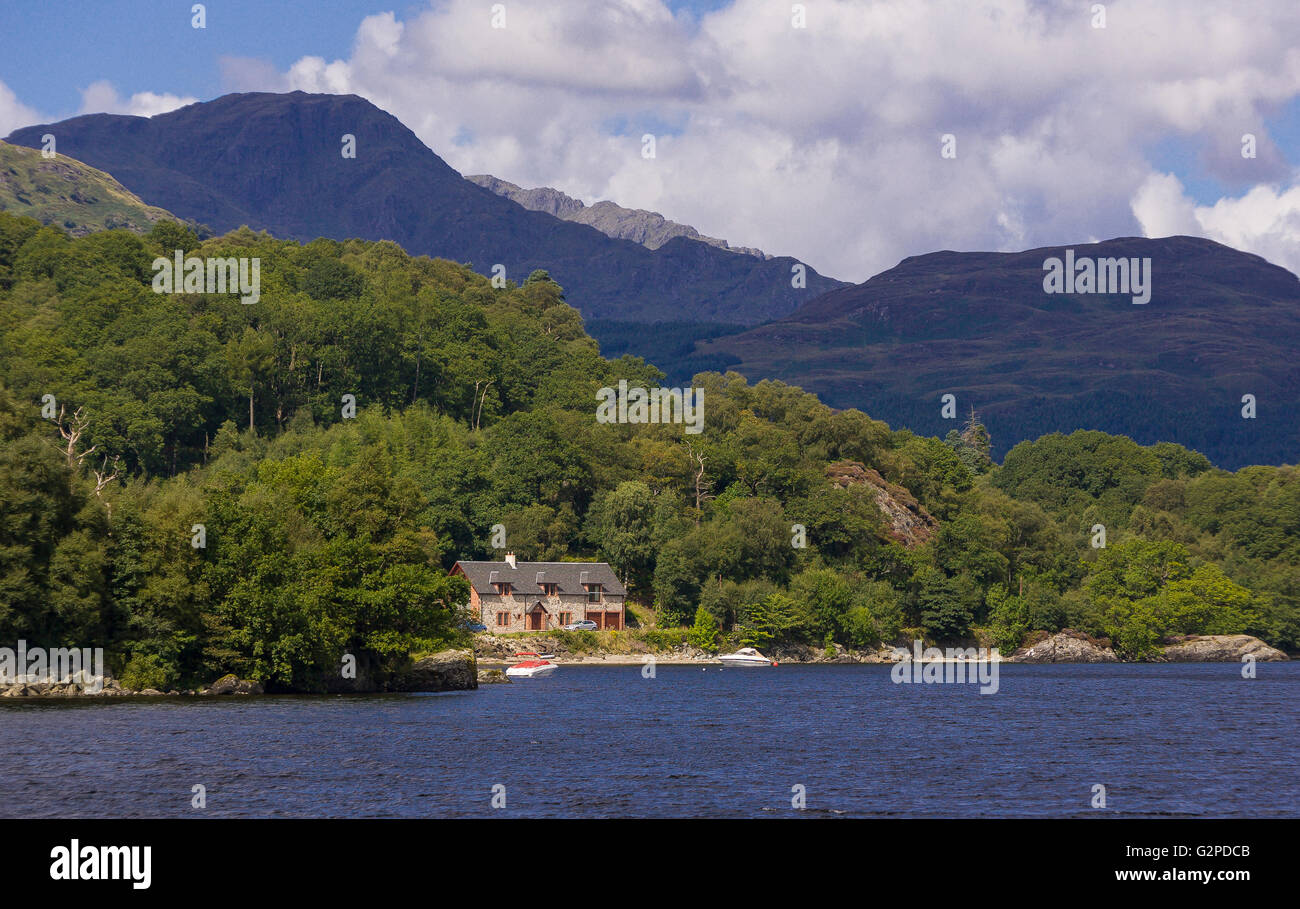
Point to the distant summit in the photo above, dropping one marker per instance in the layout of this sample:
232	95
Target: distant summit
651	229
276	162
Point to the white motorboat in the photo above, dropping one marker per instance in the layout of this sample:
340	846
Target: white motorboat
531	669
745	656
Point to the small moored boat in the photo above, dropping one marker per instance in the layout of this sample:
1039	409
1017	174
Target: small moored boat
531	669
746	656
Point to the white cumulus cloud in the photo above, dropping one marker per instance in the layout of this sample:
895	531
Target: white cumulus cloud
13	113
102	98
1264	221
824	142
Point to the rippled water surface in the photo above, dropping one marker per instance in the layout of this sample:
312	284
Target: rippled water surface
1165	740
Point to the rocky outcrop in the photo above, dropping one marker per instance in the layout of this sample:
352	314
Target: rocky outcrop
232	684
906	520
1220	648
492	677
543	198
450	670
649	228
1065	647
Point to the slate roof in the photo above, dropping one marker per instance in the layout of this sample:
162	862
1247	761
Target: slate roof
568	575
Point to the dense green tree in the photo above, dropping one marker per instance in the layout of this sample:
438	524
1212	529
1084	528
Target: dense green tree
621	525
943	605
704	633
823	598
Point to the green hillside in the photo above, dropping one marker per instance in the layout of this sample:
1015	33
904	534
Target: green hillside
69	194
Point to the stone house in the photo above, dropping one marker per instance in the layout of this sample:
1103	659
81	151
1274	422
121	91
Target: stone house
540	596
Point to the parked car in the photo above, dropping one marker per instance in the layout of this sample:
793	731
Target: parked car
584	625
475	626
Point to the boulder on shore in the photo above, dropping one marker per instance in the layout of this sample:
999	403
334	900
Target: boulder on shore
78	685
449	670
492	677
1220	648
232	684
1064	647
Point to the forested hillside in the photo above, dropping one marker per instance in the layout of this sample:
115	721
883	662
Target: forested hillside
187	419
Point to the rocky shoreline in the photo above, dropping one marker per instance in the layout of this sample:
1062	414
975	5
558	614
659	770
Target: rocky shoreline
459	670
1066	646
1075	647
107	687
449	670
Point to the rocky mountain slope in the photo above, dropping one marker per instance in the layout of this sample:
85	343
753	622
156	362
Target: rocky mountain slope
906	520
649	228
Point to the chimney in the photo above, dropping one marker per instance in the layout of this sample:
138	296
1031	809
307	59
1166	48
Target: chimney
510	559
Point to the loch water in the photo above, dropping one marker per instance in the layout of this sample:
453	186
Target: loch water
1172	740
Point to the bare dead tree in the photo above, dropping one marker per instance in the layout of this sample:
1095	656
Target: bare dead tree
476	420
72	429
702	485
103	478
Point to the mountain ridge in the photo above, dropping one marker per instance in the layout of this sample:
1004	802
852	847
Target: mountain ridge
1220	324
274	162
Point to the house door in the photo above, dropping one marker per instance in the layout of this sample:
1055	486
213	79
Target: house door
536	618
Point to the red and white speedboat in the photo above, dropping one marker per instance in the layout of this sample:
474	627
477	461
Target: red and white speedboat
531	669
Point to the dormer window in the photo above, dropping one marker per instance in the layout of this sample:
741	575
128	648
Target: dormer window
550	589
504	588
594	592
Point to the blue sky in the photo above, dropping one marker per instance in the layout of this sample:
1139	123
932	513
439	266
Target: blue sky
817	143
151	46
1181	155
